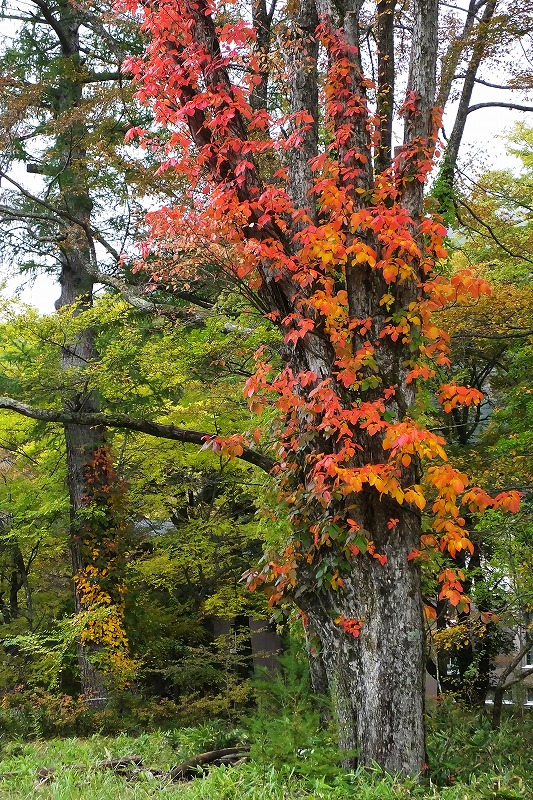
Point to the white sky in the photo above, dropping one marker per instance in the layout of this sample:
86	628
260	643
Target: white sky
41	292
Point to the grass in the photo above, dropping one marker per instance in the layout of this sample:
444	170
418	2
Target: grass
468	761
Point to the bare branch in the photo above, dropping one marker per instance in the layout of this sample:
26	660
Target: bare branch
513	106
486	83
502	679
149	427
519	678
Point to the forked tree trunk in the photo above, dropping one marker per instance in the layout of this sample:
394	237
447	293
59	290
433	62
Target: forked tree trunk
376	677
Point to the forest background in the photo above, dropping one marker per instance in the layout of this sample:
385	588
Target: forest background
159	553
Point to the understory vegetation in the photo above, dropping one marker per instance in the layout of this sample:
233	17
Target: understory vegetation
468	761
291	754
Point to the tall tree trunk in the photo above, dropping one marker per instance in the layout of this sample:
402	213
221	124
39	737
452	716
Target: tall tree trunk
344	286
21	570
385	84
262	22
317	667
376	671
479	45
82	443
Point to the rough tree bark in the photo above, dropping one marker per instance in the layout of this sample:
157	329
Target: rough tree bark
76	253
377	680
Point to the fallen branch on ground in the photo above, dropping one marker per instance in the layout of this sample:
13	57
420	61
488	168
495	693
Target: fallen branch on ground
132	766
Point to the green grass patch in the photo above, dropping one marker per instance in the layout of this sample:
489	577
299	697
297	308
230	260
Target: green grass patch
468	762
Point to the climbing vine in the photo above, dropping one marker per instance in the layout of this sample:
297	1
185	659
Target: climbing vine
104	534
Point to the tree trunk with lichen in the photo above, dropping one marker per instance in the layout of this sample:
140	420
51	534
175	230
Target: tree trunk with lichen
82	443
376	677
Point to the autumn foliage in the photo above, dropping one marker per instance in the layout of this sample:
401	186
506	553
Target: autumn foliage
102	531
342	257
256	233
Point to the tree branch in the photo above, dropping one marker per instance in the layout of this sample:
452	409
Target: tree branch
453	55
149	427
135	298
95	24
513	106
32	19
54	24
65	215
520	334
131	293
502	684
526	647
102	77
480	43
524	674
486	83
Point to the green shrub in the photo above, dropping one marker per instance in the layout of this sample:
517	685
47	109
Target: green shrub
211	735
38	714
476	763
462	745
285	726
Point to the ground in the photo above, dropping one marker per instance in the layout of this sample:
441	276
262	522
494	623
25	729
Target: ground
469	761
